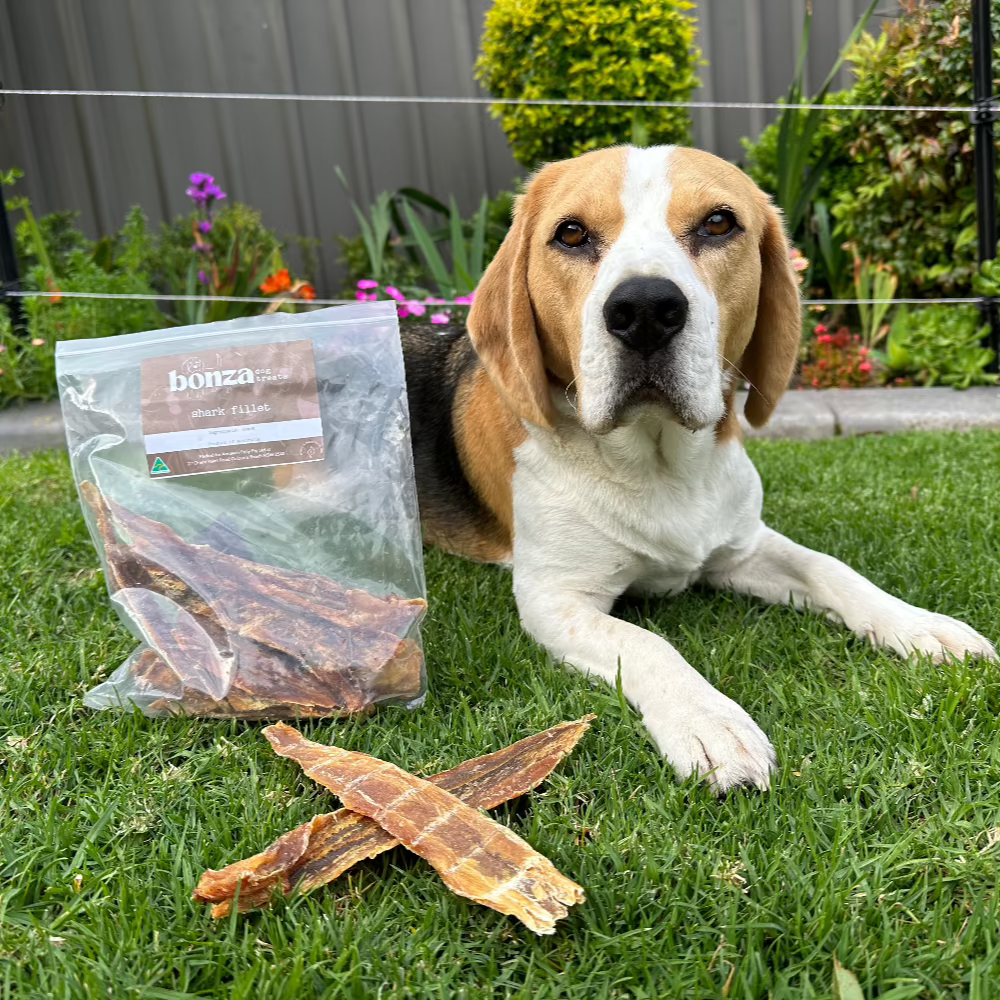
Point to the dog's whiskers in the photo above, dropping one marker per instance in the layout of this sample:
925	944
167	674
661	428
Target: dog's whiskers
743	376
569	399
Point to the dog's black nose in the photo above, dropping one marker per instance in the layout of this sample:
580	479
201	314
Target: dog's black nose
645	313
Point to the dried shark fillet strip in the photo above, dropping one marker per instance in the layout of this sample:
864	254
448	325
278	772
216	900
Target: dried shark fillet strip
474	855
351	628
314	595
321	850
290	644
270	687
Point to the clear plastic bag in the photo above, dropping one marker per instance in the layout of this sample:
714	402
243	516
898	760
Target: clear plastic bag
249	487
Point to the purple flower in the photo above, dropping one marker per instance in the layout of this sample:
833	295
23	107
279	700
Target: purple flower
394	293
197	195
440	318
205	226
416	308
367	283
214	193
202	277
199	180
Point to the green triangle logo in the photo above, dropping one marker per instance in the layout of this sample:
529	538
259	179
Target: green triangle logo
159	467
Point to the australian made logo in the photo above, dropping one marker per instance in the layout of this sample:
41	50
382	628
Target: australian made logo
159	467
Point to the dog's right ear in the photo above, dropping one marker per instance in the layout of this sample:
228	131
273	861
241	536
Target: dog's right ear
502	327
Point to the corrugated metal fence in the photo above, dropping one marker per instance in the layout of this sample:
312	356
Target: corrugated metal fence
102	155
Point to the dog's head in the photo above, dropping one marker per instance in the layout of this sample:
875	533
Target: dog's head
640	277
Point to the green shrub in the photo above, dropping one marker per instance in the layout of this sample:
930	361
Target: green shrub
587	50
391	251
236	254
901	186
245	251
940	344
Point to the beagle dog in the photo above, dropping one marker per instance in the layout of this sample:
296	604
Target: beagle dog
583	432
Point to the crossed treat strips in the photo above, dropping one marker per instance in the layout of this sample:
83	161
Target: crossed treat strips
438	819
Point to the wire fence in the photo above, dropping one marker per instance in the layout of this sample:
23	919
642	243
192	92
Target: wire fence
488	101
13	292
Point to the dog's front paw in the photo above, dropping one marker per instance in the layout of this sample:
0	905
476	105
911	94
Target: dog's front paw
707	733
909	630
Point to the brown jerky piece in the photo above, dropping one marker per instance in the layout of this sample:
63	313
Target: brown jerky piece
263	687
328	845
303	645
474	855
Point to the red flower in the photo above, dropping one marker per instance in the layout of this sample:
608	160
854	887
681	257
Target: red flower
865	366
821	328
280	281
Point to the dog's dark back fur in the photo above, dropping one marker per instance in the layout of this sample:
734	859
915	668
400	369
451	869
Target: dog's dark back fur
438	361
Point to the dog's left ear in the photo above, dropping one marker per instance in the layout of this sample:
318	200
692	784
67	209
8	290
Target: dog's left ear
502	327
769	358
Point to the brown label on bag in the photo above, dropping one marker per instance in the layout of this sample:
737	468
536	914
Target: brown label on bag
231	408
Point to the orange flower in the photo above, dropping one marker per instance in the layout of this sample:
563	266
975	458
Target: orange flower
280	281
306	292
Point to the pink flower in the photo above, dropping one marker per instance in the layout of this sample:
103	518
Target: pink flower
416	308
821	328
865	366
37	342
439	317
465	300
366	283
431	301
365	296
2	348
825	338
394	293
402	311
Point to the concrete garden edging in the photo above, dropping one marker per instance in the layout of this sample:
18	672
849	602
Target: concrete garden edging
806	415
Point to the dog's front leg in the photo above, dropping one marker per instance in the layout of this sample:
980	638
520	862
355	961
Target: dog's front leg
779	571
696	727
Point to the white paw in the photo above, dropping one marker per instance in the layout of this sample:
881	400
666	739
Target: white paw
908	630
706	733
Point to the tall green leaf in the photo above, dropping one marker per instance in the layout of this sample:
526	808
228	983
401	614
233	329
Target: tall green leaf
431	254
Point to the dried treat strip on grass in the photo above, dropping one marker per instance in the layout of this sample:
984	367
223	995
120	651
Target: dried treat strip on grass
325	847
321	850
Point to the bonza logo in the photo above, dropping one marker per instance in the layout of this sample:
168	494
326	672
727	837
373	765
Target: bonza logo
210	380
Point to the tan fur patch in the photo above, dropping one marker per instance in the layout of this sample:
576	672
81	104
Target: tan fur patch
589	190
486	434
750	275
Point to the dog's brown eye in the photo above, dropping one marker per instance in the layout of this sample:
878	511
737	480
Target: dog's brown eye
720	223
572	234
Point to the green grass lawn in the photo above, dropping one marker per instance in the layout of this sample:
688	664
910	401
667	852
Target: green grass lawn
878	843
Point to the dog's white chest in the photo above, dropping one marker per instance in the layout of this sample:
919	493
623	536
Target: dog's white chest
656	508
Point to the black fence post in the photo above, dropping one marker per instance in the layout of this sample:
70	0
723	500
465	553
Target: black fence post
986	165
9	280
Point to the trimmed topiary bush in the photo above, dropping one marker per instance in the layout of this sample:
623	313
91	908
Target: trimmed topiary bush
588	50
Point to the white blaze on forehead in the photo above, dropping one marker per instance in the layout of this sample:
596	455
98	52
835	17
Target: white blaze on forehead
647	248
